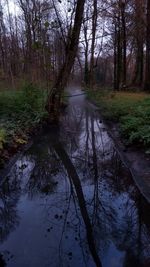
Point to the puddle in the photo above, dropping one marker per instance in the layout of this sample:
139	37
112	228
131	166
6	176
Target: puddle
70	201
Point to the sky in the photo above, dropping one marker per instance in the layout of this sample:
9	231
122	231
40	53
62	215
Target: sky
12	6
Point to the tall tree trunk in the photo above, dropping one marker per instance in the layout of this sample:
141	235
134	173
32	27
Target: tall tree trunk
147	68
120	48
86	65
119	55
138	76
124	41
54	97
139	43
115	58
94	26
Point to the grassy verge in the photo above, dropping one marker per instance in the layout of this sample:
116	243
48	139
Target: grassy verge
20	112
131	110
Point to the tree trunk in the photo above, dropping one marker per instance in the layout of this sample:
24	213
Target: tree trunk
123	21
115	58
94	26
147	68
86	65
54	97
138	76
139	44
119	55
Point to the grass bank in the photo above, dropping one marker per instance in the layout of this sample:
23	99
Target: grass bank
20	112
130	110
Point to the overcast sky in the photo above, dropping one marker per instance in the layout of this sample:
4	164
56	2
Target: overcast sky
12	6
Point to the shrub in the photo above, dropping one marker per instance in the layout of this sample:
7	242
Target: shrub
21	109
131	110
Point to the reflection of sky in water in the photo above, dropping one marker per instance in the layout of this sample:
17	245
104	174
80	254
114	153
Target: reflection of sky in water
49	229
113	257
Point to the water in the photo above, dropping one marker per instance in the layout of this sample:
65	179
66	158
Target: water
70	201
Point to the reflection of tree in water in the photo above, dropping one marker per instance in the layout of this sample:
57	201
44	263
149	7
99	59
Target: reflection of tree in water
42	177
136	237
115	207
9	196
75	182
2	261
100	203
73	127
24	179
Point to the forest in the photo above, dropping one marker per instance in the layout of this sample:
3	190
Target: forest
102	45
75	133
113	45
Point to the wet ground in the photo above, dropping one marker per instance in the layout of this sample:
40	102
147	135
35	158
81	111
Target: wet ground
70	201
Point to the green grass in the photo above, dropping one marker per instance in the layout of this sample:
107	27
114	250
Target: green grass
131	110
20	111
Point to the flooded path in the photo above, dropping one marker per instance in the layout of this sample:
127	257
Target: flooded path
70	201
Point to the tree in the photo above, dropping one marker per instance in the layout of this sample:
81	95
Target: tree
2	36
54	97
139	42
94	27
147	67
120	45
86	45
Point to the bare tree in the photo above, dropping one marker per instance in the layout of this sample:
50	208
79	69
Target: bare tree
94	27
54	98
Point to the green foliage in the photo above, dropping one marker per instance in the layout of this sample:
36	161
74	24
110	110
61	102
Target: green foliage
131	110
136	126
21	110
46	24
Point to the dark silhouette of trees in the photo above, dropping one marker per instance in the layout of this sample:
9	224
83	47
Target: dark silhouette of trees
138	76
101	42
